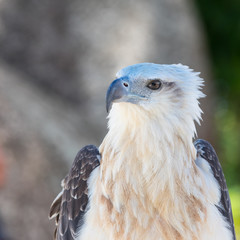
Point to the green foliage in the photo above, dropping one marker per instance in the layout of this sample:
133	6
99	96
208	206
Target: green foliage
228	128
222	24
235	196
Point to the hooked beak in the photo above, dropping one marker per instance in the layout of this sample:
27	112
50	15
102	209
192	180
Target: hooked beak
116	92
120	91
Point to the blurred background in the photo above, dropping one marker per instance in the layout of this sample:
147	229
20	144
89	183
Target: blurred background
57	59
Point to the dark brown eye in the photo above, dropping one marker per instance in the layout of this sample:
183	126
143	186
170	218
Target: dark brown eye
154	85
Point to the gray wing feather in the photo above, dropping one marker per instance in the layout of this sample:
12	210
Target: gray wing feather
206	151
70	205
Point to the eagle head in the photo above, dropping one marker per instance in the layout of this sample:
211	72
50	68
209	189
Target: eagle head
167	93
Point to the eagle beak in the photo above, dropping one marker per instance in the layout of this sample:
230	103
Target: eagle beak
117	92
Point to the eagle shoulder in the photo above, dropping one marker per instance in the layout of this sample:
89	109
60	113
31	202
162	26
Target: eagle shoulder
70	205
207	152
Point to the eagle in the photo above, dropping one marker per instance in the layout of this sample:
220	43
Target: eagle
148	179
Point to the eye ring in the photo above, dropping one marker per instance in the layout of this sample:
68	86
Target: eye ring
154	84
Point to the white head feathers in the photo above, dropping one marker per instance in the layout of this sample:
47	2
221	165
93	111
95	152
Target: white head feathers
175	105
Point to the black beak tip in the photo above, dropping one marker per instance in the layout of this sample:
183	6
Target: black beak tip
108	106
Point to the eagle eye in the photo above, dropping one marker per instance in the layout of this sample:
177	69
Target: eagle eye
154	84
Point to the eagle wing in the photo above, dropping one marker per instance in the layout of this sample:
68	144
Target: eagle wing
71	203
207	152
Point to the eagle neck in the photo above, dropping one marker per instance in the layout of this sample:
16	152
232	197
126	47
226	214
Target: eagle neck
148	173
147	153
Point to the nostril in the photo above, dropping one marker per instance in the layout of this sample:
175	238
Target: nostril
125	84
